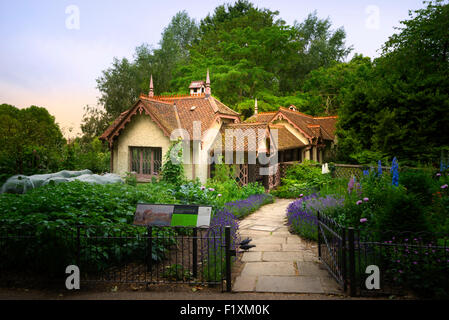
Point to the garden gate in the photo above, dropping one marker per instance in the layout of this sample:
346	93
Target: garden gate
332	248
347	252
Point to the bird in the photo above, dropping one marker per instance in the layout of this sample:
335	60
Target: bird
246	247
246	241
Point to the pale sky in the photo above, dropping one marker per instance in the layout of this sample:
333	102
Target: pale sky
45	60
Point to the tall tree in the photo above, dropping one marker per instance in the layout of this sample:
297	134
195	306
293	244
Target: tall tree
121	84
402	109
252	54
30	141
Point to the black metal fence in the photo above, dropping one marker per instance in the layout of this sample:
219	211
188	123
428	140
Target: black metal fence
407	261
130	254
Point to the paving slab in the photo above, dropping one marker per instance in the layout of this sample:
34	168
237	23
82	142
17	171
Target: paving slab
267	247
269	239
244	284
281	262
281	256
297	284
308	268
294	240
263	228
268	268
330	285
252	256
291	247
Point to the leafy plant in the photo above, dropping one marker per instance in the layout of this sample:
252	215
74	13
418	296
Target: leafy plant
173	169
177	272
131	178
302	178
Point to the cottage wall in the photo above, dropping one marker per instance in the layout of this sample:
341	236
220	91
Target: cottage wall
142	131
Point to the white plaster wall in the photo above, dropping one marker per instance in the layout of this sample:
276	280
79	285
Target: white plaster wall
142	131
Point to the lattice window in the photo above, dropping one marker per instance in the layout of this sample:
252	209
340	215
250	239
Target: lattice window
242	174
146	162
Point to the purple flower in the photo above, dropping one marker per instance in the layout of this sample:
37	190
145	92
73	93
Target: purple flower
366	199
301	195
444	186
351	184
219	195
211	189
438	174
203	187
359	202
363	220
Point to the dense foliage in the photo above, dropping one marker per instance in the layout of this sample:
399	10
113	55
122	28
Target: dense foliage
399	106
242	45
405	209
173	169
50	215
302	178
30	141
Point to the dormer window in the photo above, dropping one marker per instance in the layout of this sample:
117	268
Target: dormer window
197	87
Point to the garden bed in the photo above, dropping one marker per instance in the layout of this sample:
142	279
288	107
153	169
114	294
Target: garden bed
401	221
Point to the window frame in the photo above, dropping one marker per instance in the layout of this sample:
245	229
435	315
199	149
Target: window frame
142	172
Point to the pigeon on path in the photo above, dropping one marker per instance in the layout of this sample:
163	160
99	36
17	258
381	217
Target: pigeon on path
246	247
246	241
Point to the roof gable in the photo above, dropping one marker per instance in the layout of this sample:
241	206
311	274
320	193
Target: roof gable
175	112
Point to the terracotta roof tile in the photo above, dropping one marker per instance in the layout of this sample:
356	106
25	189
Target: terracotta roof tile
188	110
286	139
197	84
241	136
312	126
261	117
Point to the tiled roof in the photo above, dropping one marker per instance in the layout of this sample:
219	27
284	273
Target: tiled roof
116	122
329	125
261	117
311	126
236	136
172	112
197	84
286	139
245	132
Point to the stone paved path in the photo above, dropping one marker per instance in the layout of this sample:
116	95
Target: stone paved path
281	261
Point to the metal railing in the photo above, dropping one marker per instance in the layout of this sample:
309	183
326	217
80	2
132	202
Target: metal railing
402	258
130	254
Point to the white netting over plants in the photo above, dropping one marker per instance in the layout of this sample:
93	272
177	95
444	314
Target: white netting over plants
21	183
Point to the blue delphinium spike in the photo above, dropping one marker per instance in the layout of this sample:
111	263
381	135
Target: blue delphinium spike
395	172
379	168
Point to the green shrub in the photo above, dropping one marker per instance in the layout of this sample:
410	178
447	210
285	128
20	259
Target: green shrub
303	178
418	182
131	179
51	213
173	168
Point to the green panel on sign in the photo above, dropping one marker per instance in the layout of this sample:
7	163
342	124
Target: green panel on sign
186	220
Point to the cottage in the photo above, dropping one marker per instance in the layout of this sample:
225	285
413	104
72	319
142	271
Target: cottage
140	137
